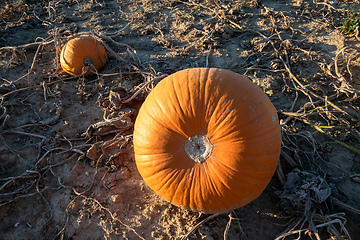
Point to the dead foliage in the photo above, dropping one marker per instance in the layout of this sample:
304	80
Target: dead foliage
322	113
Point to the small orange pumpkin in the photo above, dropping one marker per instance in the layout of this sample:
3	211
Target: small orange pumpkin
82	55
207	139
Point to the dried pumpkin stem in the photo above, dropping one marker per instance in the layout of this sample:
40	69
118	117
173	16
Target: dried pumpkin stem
198	148
87	62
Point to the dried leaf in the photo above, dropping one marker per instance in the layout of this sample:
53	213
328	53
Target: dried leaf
115	100
109	151
94	152
109	126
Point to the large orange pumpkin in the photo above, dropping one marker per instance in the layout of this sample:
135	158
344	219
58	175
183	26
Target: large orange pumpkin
82	55
207	139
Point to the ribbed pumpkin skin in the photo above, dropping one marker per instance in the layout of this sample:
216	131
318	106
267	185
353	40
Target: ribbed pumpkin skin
236	116
77	51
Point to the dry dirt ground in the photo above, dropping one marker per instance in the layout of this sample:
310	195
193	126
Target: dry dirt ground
67	167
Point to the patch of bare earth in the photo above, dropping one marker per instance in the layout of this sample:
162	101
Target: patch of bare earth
67	166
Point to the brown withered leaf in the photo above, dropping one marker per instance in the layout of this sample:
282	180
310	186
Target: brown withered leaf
110	125
94	152
115	99
109	151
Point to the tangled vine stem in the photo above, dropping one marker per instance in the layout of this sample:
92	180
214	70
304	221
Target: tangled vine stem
186	236
344	83
159	78
328	109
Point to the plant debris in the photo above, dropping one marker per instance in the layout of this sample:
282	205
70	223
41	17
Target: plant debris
66	142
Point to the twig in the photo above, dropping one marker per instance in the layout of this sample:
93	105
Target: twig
6	145
344	84
113	34
81	113
317	226
115	218
312	93
42	196
56	149
207	57
33	62
296	98
292	226
199	225
280	173
289	159
25	133
9	180
143	86
309	218
38	86
112	52
27	45
229	224
80	194
344	205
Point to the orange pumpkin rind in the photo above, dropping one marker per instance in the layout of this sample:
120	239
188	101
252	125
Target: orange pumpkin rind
82	56
197	108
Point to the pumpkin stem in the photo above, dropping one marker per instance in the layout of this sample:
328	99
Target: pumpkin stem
87	62
198	148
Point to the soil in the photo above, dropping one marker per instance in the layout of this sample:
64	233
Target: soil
67	167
